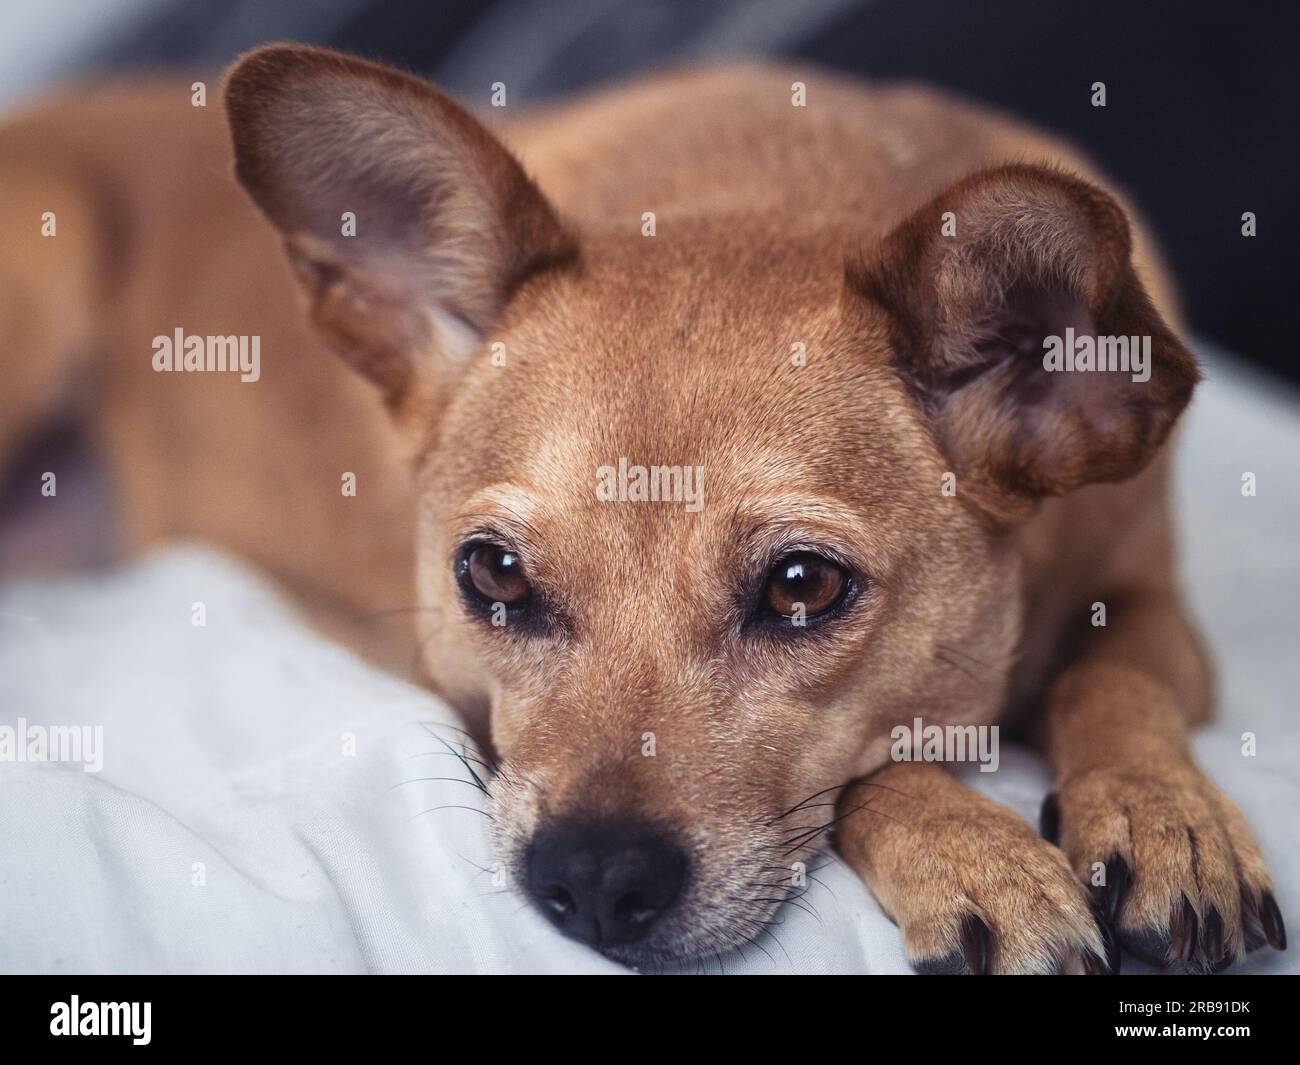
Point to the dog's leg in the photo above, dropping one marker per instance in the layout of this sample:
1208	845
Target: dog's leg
48	295
1168	856
53	511
972	886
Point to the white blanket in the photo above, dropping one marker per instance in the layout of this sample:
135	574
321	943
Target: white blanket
260	808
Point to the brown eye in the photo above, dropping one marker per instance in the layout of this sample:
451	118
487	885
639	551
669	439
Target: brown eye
497	574
807	579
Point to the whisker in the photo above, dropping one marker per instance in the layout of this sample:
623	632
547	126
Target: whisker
482	787
472	809
481	869
805	833
939	655
799	805
962	654
816	805
765	928
819	794
376	615
813	833
792	898
765	951
823	885
454	728
444	754
417	780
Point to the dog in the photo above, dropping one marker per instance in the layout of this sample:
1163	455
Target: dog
823	308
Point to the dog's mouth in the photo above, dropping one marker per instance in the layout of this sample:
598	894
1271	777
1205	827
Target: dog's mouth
652	882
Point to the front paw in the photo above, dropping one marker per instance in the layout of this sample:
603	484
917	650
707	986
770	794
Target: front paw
1171	863
986	895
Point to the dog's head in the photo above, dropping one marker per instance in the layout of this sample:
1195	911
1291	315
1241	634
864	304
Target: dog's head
701	519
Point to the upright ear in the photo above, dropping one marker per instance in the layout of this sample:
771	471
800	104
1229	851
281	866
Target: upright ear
408	224
994	308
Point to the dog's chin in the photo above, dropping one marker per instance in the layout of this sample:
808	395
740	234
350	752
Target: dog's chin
669	952
693	935
657	954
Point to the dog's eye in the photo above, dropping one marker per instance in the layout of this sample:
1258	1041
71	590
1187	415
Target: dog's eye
806	581
497	574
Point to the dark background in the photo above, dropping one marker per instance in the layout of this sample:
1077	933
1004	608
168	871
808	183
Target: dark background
1201	122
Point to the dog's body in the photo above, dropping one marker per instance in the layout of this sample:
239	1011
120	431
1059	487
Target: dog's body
155	234
669	340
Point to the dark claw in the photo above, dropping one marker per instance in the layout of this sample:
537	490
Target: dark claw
1095	966
1111	941
1251	926
1183	933
1119	878
976	943
1174	946
1274	926
1107	966
953	964
971	958
1213	939
1049	819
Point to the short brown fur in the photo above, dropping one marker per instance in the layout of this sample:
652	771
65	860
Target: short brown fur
774	225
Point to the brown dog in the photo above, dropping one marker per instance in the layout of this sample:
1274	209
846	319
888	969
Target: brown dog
818	311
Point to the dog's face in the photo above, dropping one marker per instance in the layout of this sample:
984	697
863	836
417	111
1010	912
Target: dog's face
697	529
649	664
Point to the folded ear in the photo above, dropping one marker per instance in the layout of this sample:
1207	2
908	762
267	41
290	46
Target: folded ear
408	224
996	292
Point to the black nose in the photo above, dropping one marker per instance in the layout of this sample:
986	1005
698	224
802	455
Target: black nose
605	882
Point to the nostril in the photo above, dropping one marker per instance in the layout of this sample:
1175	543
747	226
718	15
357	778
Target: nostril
560	902
632	909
